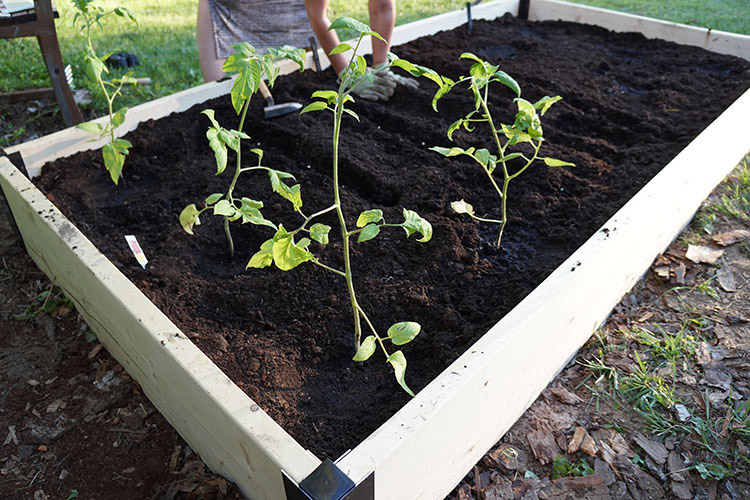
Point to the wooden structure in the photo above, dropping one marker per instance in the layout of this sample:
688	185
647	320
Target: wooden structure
39	22
425	449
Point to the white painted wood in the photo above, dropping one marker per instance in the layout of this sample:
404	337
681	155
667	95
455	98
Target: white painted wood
424	450
232	434
714	40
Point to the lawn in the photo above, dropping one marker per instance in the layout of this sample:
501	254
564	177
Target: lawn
165	39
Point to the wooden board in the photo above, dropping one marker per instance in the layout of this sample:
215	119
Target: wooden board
714	40
229	431
427	447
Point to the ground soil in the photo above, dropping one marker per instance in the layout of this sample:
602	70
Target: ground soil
613	94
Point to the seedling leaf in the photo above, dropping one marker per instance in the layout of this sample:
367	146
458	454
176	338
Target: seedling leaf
368	232
461	207
552	162
366	349
188	217
373	215
340	48
349	24
286	254
213	198
413	223
314	106
404	332
90	127
398	361
225	208
289	193
263	257
543	104
319	232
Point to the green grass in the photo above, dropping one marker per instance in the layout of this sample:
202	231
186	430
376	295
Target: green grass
165	41
725	15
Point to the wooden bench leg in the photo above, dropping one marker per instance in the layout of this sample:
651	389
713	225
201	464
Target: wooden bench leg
53	60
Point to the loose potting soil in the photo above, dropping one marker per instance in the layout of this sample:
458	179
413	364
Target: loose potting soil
629	106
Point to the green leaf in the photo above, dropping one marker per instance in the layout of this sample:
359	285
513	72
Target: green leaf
250	213
552	162
263	257
72	495
398	361
368	232
125	12
373	215
366	349
413	223
543	104
121	145
483	157
113	161
225	208
289	193
314	106
469	55
246	83
508	81
319	232
510	156
210	113
213	198
454	126
514	135
188	218
286	254
417	70
352	113
340	48
348	23
404	332
461	207
294	54
455	151
94	66
90	127
329	95
119	117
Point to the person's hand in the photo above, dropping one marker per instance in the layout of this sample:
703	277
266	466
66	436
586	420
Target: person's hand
404	81
379	88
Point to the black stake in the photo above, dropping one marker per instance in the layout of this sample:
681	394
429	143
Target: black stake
468	16
314	48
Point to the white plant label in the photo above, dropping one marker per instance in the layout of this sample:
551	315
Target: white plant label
137	250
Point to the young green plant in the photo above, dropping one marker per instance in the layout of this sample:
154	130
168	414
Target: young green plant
250	67
286	253
115	150
526	129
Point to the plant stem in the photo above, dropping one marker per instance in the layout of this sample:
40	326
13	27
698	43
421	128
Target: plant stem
237	172
506	176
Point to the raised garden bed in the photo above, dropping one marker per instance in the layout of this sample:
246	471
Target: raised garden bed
427	446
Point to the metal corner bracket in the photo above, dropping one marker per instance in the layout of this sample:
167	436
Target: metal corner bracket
328	482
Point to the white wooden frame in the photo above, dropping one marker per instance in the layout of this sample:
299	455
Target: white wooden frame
424	450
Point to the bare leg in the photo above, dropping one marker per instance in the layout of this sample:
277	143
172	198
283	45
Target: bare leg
382	21
318	15
210	64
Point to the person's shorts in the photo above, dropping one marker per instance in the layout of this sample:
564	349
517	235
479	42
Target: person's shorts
262	23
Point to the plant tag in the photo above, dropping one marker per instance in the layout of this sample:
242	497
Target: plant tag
137	250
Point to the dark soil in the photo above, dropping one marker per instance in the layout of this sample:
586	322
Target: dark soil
630	105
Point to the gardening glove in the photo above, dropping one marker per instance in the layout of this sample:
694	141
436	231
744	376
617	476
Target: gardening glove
404	81
380	89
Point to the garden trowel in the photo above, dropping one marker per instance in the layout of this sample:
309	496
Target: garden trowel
273	110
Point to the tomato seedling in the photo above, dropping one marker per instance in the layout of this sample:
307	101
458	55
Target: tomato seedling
286	252
526	129
116	149
250	68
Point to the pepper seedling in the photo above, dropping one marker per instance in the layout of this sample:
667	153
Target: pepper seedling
526	129
116	149
250	67
286	252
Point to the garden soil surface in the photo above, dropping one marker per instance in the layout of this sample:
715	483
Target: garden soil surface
285	337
